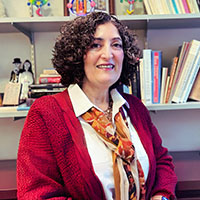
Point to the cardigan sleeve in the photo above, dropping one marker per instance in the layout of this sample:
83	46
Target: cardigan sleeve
37	174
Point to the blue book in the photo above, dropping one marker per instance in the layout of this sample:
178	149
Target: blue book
156	64
175	6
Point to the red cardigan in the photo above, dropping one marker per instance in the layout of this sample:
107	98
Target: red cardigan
53	161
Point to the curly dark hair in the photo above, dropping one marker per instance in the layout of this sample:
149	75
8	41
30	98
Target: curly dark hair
75	39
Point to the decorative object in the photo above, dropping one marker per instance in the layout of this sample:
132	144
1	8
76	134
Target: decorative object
14	76
38	4
81	7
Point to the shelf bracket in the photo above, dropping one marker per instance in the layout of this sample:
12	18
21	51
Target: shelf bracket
24	31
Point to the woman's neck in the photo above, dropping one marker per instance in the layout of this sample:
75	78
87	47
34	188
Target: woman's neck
99	97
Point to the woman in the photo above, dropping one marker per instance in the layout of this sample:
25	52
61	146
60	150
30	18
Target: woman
26	79
90	141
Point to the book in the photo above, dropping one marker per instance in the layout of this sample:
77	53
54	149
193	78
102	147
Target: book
156	75
185	5
180	6
163	83
12	93
165	7
195	92
187	67
172	74
166	86
147	75
175	7
142	80
147	7
191	79
182	52
193	6
49	79
50	75
49	71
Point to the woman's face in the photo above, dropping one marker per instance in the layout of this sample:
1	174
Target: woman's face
26	66
103	61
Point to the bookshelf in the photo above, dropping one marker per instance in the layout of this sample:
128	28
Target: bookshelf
177	124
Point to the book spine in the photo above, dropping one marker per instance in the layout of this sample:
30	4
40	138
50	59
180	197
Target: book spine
147	75
192	77
175	7
185	5
172	74
163	83
49	80
156	74
195	94
186	70
142	81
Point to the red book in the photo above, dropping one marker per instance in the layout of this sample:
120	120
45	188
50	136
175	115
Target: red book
156	76
49	80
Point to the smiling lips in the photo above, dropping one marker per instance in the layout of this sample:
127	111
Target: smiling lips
106	67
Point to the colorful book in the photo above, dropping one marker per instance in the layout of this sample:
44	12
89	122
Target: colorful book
187	67
185	5
49	79
156	75
175	7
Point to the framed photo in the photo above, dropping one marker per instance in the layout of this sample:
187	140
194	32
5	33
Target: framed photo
77	6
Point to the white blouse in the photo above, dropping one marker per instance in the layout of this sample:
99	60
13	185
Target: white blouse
100	155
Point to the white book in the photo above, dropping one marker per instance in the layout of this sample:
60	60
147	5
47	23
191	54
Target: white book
159	7
180	9
190	59
142	81
163	83
191	79
147	75
195	6
147	7
165	6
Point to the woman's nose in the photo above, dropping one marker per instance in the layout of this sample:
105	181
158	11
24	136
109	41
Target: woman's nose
107	52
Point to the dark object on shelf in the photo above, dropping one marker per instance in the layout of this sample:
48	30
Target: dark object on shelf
188	190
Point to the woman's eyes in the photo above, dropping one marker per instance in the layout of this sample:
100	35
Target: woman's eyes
115	45
118	45
95	45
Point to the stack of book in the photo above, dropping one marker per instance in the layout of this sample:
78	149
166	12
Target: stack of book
49	83
49	75
154	7
177	84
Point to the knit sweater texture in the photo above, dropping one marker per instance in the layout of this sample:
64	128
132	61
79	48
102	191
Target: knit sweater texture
53	161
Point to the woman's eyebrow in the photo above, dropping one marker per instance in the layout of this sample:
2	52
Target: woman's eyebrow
100	39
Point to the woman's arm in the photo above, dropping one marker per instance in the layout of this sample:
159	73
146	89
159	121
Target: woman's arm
38	176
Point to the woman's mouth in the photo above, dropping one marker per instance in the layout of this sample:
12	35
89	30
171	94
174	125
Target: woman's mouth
105	66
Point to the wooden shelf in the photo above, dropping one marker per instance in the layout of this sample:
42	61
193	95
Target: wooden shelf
52	24
11	111
178	106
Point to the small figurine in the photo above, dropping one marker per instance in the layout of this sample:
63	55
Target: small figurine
38	4
26	79
81	7
15	72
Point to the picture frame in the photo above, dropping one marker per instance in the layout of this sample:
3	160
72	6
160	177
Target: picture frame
100	5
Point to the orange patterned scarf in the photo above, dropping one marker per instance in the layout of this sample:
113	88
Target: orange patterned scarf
123	153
